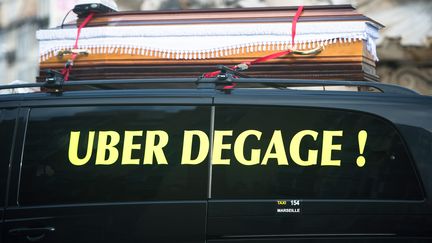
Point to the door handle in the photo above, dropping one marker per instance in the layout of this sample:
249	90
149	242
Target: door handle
32	234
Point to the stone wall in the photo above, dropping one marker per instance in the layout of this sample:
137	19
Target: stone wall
19	21
409	66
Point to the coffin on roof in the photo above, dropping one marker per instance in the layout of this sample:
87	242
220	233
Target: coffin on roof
192	42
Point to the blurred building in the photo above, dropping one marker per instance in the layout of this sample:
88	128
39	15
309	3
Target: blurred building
404	49
19	20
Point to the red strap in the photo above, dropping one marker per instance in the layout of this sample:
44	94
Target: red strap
68	67
212	74
268	57
294	24
282	53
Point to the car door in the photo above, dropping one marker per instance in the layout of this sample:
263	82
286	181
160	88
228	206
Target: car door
108	170
8	118
311	166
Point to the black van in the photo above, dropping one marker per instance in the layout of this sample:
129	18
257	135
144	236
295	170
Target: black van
191	161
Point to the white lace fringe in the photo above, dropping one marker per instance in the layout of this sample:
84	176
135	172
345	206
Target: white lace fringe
188	42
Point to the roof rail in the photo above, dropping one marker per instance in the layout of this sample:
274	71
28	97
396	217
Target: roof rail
56	87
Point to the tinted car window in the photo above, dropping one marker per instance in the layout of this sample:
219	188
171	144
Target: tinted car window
7	124
310	154
54	172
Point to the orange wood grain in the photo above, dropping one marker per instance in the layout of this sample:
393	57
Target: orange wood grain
338	52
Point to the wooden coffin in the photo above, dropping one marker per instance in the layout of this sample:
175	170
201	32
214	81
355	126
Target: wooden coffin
190	43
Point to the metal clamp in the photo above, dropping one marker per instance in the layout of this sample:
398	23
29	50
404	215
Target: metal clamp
83	52
314	51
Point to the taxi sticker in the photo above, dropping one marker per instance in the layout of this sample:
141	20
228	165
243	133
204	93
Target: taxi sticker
288	207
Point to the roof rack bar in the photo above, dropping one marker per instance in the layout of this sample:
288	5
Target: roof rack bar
19	86
385	88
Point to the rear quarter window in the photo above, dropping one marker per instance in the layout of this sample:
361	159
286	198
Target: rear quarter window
386	171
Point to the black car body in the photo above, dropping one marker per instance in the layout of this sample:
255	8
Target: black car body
133	165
